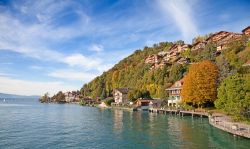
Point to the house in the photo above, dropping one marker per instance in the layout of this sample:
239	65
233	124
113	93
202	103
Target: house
175	50
152	59
199	45
156	103
183	61
73	96
69	97
246	31
143	103
217	36
174	93
223	42
162	53
121	95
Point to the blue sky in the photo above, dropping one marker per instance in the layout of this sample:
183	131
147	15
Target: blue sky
52	45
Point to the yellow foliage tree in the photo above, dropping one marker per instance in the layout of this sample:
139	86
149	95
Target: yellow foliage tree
200	84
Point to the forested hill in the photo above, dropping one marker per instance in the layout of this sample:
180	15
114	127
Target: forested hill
155	68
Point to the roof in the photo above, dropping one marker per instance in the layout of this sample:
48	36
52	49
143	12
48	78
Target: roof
246	29
144	99
217	33
199	43
123	90
174	85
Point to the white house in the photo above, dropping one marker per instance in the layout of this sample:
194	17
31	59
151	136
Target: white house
174	93
121	95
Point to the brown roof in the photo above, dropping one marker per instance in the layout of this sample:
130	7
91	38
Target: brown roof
174	85
216	34
123	90
246	29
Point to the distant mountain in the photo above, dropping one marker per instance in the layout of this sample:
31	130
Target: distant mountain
3	95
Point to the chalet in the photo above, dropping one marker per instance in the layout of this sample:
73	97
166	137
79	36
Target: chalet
162	53
121	95
73	96
222	44
143	103
178	48
217	36
69	97
89	101
199	45
183	61
152	59
246	31
174	93
174	51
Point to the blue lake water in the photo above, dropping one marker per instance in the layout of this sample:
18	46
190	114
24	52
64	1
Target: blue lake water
29	124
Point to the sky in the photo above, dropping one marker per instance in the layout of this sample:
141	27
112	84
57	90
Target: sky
53	45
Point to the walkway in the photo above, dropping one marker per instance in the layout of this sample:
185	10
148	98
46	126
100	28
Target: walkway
225	123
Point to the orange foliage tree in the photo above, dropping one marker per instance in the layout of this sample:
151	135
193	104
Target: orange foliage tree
200	84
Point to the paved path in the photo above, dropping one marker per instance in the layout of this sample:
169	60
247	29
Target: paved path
225	123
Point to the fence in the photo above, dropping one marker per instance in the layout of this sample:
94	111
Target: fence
231	127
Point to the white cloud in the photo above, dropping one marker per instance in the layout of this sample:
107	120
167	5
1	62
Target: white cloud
181	12
72	75
24	87
36	67
96	48
80	60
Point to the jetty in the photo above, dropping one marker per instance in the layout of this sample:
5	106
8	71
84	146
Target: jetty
217	120
179	112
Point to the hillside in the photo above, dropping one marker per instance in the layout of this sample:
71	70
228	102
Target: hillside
156	68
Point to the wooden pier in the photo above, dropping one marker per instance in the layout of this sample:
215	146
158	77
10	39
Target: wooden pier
179	112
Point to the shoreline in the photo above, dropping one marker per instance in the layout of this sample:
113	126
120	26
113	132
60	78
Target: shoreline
225	124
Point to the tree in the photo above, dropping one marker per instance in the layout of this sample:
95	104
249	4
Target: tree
234	96
209	53
59	97
176	72
45	98
200	84
135	94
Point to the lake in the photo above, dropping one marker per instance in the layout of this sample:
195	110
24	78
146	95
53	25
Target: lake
30	124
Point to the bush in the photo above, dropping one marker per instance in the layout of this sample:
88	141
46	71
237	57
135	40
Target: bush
82	103
109	101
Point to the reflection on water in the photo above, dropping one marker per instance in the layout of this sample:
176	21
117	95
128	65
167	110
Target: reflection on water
118	120
72	126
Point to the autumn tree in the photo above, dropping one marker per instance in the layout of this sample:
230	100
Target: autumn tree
200	84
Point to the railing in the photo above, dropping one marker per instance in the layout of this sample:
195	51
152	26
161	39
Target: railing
231	127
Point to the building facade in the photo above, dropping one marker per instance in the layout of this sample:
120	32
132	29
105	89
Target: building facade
175	93
121	95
